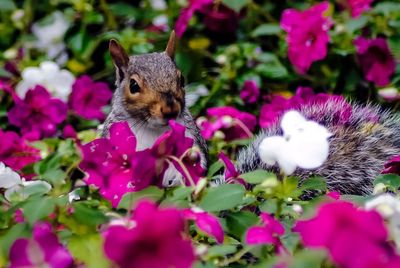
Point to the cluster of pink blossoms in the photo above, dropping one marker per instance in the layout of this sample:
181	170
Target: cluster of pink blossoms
353	237
115	167
156	237
272	111
230	122
39	114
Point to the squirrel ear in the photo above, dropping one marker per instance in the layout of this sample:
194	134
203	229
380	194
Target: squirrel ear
170	50
118	54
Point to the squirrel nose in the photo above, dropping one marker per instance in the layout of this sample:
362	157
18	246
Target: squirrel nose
169	113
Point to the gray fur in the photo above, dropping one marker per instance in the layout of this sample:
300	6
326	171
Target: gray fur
159	72
358	148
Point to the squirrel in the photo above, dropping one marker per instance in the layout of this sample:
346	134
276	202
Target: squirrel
150	92
359	147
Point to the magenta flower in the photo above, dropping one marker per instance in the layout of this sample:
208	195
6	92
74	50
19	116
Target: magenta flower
354	237
42	250
271	112
375	59
174	147
15	152
219	18
114	166
267	234
187	13
250	92
38	113
206	222
356	7
88	98
308	36
154	239
231	122
392	166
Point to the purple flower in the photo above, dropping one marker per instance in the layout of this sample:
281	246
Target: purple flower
356	7
392	166
354	237
154	239
250	92
206	222
42	250
114	166
231	122
15	152
219	18
308	36
173	146
88	98
271	112
375	59
187	13
38	113
267	234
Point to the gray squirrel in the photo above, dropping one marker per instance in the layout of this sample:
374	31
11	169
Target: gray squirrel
150	92
359	146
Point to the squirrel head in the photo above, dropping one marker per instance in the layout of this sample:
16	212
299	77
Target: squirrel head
150	87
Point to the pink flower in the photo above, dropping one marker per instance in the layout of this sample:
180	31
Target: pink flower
187	13
271	112
233	123
113	165
356	7
206	222
267	234
219	18
15	152
154	239
42	250
375	59
231	175
308	36
392	166
38	113
354	237
88	98
173	146
250	92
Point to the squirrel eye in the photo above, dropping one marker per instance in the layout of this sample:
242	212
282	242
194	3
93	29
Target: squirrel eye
182	81
134	87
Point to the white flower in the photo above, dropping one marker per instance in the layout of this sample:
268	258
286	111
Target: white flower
194	93
158	4
48	74
50	36
304	144
389	93
389	207
14	184
161	21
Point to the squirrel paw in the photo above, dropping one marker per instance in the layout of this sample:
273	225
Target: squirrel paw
172	177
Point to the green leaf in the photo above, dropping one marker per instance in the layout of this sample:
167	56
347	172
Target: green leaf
8	237
223	197
221	250
266	29
236	5
239	222
257	176
88	215
270	206
89	250
214	168
37	188
129	200
392	181
7	5
356	24
37	209
313	183
387	7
